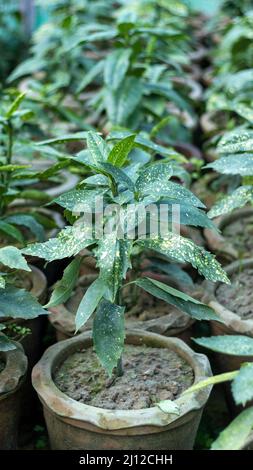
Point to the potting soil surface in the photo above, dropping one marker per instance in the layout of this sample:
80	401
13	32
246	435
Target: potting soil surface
150	375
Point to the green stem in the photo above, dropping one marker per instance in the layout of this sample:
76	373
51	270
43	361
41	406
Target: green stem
119	367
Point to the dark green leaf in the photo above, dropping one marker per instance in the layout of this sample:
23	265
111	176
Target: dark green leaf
118	155
10	256
18	303
242	386
69	242
89	302
182	250
182	301
108	334
116	66
237	433
235	345
63	288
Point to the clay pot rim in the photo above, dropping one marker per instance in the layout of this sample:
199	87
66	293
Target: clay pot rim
111	420
216	241
231	319
13	374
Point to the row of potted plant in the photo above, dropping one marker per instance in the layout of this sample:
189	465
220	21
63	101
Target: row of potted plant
136	383
227	125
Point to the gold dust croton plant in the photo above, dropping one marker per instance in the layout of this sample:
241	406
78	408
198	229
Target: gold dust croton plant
124	184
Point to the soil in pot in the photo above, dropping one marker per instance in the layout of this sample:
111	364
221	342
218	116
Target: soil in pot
150	375
238	297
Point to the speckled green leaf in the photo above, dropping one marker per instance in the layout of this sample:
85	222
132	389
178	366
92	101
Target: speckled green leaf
243	110
11	231
237	432
154	177
121	103
64	138
235	345
182	250
116	65
91	75
69	242
242	386
238	141
118	155
89	302
63	288
118	175
113	262
79	200
30	222
179	299
238	164
6	344
12	257
98	148
15	105
189	215
18	303
108	334
238	198
153	182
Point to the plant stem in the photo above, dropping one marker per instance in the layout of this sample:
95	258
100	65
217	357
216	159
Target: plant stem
10	142
119	368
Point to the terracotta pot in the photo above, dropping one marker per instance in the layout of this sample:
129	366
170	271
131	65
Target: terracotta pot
218	244
173	323
73	425
11	382
32	342
32	345
233	325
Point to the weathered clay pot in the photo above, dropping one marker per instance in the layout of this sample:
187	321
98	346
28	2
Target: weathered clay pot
32	344
173	323
233	324
73	425
11	382
218	243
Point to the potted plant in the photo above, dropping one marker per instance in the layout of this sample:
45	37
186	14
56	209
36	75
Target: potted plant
113	253
15	304
235	159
